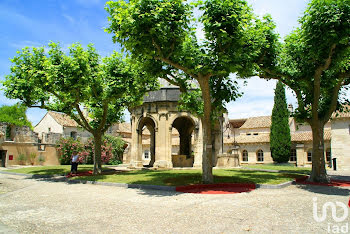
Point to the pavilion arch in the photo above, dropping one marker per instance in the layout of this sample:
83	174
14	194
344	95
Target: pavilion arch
151	125
185	126
147	119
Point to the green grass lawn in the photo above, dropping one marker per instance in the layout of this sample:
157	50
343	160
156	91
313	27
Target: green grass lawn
168	177
52	170
281	167
188	177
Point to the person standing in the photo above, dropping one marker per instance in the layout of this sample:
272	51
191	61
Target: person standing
74	167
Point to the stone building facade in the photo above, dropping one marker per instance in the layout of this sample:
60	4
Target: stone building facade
55	125
250	139
17	142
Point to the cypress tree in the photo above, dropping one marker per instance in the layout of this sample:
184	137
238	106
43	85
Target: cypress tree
280	139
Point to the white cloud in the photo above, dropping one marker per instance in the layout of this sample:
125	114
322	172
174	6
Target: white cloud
21	44
69	18
257	99
89	3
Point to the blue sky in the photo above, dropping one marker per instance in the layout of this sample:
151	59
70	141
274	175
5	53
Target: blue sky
36	22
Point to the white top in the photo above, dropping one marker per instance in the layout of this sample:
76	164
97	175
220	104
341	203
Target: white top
75	158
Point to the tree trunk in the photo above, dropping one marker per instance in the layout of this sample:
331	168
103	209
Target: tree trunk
318	173
217	140
97	154
207	159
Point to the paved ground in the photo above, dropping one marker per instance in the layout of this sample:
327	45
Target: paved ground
33	206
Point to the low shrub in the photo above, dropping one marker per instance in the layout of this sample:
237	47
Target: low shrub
41	159
22	158
66	147
31	158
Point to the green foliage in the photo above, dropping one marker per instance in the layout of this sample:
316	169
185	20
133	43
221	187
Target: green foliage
118	146
314	61
161	34
280	139
15	115
192	101
32	157
8	132
41	159
61	82
22	158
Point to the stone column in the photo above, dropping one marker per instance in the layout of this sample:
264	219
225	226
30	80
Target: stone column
136	146
300	154
198	146
163	143
152	147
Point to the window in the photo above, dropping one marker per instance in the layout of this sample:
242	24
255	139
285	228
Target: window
293	155
328	155
255	134
146	154
309	155
49	129
260	156
245	156
248	134
73	135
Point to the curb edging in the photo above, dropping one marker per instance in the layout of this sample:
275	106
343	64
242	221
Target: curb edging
274	186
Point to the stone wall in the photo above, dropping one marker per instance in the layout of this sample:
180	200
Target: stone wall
341	142
19	134
13	150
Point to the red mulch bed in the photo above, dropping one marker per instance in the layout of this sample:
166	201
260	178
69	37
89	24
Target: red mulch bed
89	173
339	183
84	173
216	188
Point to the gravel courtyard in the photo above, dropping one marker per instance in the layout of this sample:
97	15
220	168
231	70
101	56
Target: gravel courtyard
36	206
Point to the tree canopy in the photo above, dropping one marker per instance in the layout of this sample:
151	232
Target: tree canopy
314	61
57	81
161	34
280	139
15	115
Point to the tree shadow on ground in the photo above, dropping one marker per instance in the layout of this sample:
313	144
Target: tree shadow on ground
158	193
327	190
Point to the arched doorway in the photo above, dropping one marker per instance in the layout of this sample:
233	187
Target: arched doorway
147	137
185	157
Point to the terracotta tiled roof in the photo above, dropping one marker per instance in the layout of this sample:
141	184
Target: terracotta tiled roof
344	114
265	138
307	136
257	122
244	139
63	119
124	127
237	123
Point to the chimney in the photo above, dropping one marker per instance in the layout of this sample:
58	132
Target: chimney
290	108
85	111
